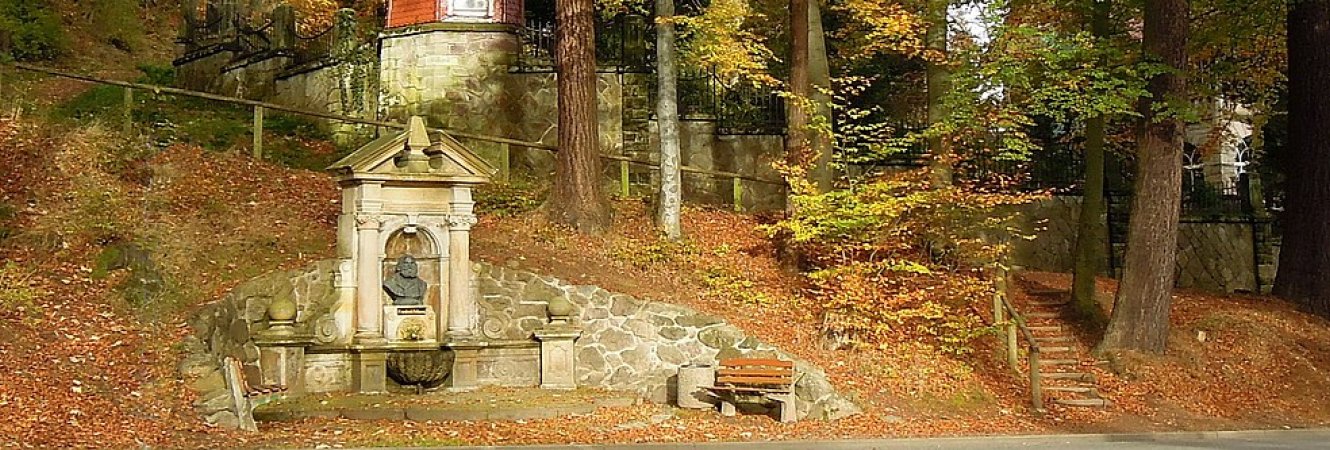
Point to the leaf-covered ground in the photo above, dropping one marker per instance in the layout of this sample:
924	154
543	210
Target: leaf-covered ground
88	349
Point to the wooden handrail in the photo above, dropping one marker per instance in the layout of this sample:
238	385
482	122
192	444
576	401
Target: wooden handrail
1035	353
362	121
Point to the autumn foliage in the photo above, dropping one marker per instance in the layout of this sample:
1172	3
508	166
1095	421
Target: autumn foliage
893	260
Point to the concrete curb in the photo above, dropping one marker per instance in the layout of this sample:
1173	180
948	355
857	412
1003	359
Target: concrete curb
975	442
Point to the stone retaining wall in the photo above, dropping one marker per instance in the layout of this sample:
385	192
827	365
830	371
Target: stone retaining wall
225	329
1214	255
636	345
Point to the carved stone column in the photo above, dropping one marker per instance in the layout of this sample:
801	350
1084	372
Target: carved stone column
369	301
461	305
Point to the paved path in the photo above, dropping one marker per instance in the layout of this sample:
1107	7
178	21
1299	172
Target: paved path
1241	440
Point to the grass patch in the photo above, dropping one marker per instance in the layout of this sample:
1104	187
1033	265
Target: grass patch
16	292
509	199
164	120
7	215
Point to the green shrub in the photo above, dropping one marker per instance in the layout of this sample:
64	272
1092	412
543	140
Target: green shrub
30	31
508	199
158	75
117	21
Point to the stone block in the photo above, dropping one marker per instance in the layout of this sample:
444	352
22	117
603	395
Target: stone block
223	419
640	328
616	340
427	414
673	333
212	381
671	355
623	305
370	372
327	373
374	413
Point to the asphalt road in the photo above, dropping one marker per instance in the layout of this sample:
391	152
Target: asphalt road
1242	440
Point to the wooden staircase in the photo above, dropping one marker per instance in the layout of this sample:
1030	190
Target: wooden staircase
1066	367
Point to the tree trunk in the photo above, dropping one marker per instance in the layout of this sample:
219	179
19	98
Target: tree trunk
667	119
796	121
822	174
796	134
1304	259
1091	229
1140	310
577	198
938	83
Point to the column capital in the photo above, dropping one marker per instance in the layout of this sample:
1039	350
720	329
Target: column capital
369	221
461	221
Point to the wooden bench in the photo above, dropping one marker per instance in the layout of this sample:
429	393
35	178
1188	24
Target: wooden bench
245	394
747	379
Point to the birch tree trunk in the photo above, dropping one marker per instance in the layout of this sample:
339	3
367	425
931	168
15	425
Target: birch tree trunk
667	120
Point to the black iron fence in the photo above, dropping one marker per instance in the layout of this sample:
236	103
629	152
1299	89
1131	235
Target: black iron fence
738	108
226	28
624	43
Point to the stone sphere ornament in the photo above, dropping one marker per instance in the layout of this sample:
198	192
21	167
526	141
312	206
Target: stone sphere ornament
559	309
282	309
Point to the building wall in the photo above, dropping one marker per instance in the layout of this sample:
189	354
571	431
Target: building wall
454	75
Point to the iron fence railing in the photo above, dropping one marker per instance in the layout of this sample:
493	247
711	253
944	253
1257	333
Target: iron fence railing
624	42
315	47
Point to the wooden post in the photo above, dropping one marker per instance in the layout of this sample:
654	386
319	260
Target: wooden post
1013	348
257	151
505	161
128	125
1036	380
738	194
623	178
1008	322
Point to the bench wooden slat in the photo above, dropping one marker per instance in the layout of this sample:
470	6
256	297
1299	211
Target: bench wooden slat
732	362
754	372
755	380
748	389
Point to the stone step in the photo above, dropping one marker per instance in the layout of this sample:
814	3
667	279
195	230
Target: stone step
1052	339
1060	362
1046	291
1074	376
1047	328
1042	315
1084	402
1076	389
1056	349
1048	304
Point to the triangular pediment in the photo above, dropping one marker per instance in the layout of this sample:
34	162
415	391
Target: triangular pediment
415	154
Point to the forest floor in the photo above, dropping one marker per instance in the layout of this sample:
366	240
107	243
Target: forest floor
88	350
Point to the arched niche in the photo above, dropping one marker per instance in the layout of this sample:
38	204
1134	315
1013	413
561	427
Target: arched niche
422	246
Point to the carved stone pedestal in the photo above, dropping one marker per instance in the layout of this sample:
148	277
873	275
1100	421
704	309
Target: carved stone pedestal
369	371
466	373
557	359
282	359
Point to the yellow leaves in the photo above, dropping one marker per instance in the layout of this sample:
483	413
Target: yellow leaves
876	27
721	41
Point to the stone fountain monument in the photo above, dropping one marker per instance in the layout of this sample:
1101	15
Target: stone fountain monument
404	273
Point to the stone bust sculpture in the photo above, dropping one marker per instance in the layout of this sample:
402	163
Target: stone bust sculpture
405	286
